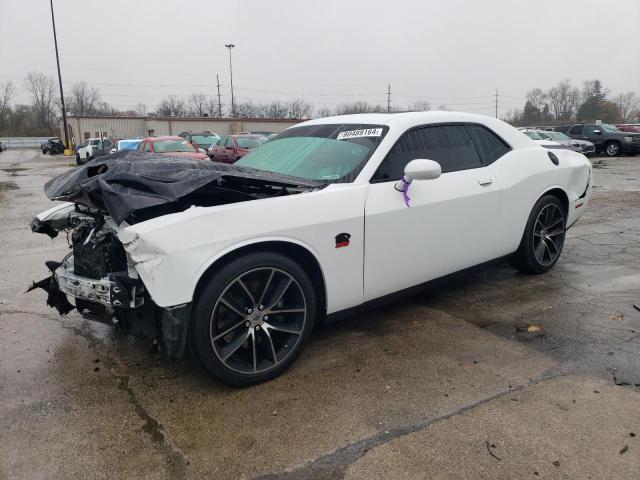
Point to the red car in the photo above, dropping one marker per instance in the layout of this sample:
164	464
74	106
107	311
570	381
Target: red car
629	128
171	145
231	148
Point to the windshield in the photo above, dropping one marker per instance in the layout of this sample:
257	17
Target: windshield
558	136
204	139
248	142
163	146
94	142
332	153
609	128
544	135
533	135
128	144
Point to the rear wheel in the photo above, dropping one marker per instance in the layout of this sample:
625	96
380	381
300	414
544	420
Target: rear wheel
543	237
253	318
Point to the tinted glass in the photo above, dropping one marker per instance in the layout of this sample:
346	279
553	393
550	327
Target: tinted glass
577	130
491	147
449	145
248	142
165	146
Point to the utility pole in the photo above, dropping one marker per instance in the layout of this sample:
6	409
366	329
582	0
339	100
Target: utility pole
219	104
64	110
496	95
389	97
233	105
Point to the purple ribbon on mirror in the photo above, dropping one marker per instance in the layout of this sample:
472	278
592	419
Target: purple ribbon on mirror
405	190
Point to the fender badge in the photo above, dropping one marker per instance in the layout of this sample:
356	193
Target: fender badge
342	240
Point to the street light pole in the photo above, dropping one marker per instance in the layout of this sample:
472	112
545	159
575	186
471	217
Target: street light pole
233	105
64	110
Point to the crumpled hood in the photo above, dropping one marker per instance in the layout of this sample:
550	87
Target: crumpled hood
131	185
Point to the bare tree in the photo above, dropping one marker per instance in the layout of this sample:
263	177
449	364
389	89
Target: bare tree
42	90
6	94
629	105
83	99
420	106
443	107
358	107
564	100
248	110
538	98
198	104
323	112
141	109
171	106
299	109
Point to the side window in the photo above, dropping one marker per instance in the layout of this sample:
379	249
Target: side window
147	147
490	146
576	130
449	145
588	129
229	142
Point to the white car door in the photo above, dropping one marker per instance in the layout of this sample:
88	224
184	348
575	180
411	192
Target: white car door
450	224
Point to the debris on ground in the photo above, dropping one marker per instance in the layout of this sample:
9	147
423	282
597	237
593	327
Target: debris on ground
489	447
624	449
616	316
636	307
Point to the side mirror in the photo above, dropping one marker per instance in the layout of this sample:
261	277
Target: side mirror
421	169
597	132
202	150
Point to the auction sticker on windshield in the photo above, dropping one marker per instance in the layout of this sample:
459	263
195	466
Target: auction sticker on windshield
364	132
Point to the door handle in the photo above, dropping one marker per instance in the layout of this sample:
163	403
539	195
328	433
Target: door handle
485	180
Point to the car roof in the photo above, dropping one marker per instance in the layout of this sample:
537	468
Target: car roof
162	137
405	120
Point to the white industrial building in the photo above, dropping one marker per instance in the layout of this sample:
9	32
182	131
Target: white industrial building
86	126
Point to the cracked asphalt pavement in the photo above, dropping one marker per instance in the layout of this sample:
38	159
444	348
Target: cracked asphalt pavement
497	375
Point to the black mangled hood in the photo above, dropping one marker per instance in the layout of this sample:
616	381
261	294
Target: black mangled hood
135	186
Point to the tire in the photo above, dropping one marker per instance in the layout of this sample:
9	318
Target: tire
87	157
612	149
237	340
543	237
78	160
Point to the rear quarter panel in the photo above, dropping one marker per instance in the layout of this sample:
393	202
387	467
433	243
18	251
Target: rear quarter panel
524	175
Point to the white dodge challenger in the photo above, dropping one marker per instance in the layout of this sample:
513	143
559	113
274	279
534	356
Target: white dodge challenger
236	263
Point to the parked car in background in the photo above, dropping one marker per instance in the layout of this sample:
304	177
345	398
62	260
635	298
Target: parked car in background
126	144
3	146
52	146
231	148
242	278
606	138
583	146
202	140
539	139
629	127
262	133
92	148
171	145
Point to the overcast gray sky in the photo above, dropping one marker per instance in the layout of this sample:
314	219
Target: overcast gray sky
454	52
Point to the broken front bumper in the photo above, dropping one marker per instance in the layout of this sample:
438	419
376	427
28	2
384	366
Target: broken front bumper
115	291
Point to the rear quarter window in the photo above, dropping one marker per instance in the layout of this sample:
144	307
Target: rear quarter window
489	145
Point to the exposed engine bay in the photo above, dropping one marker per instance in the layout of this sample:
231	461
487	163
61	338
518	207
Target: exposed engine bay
119	190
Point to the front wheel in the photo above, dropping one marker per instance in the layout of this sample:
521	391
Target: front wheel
612	149
543	237
253	318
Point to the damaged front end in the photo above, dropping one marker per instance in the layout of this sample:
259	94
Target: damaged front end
106	196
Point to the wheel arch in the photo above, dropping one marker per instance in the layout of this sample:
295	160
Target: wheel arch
299	252
560	194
